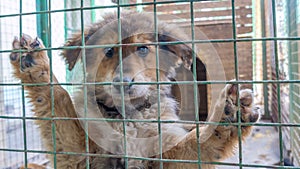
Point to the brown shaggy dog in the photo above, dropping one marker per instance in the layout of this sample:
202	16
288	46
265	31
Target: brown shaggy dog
104	147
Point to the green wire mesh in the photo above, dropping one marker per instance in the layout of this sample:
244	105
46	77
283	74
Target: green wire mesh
44	14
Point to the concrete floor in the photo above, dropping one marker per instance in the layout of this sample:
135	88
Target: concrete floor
261	147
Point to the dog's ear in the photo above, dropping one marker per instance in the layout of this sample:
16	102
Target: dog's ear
72	55
183	51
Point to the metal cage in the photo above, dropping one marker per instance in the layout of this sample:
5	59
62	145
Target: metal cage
257	42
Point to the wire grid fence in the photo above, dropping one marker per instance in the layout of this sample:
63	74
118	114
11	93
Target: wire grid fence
11	101
72	16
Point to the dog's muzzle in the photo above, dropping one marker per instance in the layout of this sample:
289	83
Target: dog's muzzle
126	80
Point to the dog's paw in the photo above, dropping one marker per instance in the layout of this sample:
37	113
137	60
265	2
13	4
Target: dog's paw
249	112
29	64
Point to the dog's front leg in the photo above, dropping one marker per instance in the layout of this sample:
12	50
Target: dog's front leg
50	102
193	146
216	142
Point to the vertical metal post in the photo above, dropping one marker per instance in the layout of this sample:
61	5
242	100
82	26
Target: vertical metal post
264	61
83	51
292	49
254	18
157	80
65	21
278	92
2	121
236	70
23	94
195	85
93	12
42	21
119	15
292	27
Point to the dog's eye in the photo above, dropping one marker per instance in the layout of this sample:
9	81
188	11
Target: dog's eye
109	52
143	51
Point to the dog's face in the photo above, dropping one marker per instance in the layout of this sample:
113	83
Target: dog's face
145	56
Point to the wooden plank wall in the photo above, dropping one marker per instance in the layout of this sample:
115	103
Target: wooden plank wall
205	13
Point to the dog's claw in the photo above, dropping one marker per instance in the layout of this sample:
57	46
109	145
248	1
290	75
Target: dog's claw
35	44
16	43
25	39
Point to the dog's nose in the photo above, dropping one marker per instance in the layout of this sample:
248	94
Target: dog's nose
126	80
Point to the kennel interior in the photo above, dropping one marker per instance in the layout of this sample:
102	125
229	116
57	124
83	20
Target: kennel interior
256	41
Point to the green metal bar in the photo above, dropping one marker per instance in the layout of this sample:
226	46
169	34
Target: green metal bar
120	2
157	160
93	12
149	121
65	21
154	83
157	84
162	43
236	70
195	85
42	21
277	84
68	74
90	8
83	52
44	32
153	121
254	45
264	61
23	98
293	48
152	159
47	39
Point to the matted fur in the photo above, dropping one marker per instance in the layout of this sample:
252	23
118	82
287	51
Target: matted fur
70	135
